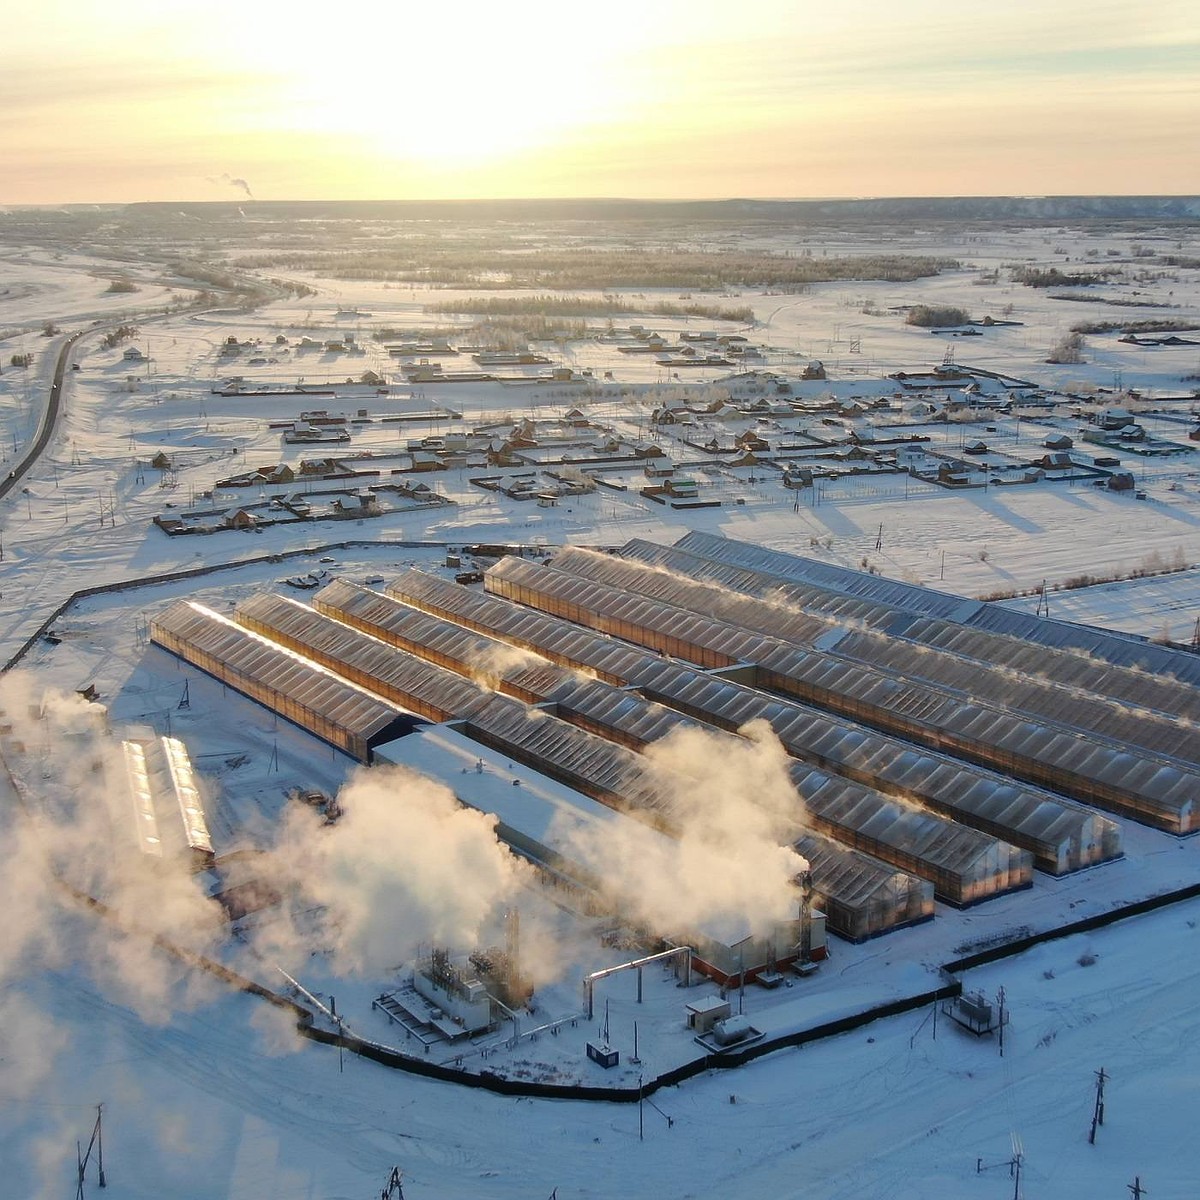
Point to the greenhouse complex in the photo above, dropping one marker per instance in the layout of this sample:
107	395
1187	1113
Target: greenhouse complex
936	747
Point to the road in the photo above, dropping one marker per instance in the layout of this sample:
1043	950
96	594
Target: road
49	419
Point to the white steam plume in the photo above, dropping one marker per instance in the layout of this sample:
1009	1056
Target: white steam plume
404	865
731	869
69	833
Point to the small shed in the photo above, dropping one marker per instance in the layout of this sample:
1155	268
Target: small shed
681	488
239	518
703	1014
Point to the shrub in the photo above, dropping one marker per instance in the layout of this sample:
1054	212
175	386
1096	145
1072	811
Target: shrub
1068	351
927	316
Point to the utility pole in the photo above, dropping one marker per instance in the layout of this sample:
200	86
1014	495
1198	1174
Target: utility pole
1013	1164
82	1159
1098	1111
1136	1188
100	1145
1000	1002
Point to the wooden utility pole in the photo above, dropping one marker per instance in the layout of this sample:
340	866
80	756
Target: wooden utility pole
1098	1111
1136	1188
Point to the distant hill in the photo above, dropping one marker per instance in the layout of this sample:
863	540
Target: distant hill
880	209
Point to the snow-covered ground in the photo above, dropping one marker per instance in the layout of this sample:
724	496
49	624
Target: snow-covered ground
217	1102
208	1094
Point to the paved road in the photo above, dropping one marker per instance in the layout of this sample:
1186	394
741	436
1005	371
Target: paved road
49	419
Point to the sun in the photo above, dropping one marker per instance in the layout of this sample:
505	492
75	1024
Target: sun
441	88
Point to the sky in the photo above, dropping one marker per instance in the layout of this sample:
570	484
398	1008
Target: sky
387	99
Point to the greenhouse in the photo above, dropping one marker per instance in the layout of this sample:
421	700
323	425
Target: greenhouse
964	865
1156	790
1062	836
141	798
325	704
1119	649
558	641
161	783
599	768
862	897
1154	694
428	636
430	691
1042	698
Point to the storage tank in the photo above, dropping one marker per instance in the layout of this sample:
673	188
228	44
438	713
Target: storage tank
732	1029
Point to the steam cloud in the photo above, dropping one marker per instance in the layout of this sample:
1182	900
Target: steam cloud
405	865
731	870
63	821
232	181
64	837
